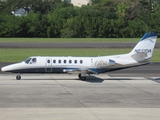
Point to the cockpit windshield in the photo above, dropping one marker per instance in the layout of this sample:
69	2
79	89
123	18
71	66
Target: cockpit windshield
30	61
27	60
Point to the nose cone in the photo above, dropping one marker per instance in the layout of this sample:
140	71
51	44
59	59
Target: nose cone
10	68
4	69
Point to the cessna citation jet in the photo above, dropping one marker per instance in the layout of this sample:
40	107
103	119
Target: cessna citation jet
83	66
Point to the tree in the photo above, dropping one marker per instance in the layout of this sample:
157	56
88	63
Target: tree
9	25
57	18
36	25
122	10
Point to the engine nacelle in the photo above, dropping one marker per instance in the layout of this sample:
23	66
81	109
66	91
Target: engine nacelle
104	63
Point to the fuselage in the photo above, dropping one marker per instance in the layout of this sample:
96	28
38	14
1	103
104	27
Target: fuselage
37	64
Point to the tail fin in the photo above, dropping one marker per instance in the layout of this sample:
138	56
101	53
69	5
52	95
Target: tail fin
144	49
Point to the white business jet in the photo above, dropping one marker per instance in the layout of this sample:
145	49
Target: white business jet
83	66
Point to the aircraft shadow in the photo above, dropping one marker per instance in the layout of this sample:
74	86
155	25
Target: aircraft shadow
91	79
94	79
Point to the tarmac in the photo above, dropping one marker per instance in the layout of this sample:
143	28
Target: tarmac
64	97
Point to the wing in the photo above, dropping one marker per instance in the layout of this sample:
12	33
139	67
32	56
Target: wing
80	70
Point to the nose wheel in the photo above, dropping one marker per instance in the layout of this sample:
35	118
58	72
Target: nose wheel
18	77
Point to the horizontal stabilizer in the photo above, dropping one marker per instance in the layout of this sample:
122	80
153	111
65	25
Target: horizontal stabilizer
140	56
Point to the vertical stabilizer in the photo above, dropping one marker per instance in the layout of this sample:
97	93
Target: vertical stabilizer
144	48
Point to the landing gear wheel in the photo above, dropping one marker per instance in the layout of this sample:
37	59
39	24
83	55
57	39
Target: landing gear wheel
18	77
82	77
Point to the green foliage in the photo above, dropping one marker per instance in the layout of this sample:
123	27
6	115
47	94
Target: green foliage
60	19
12	27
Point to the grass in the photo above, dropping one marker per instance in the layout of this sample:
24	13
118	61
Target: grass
70	39
18	55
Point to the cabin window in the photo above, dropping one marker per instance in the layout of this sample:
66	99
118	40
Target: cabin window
59	61
54	61
81	61
48	61
65	61
70	61
75	61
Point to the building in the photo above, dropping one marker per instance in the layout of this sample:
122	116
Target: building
19	12
79	3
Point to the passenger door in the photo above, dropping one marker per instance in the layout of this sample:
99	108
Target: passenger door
48	65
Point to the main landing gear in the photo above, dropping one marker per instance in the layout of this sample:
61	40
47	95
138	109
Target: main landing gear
82	77
18	77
